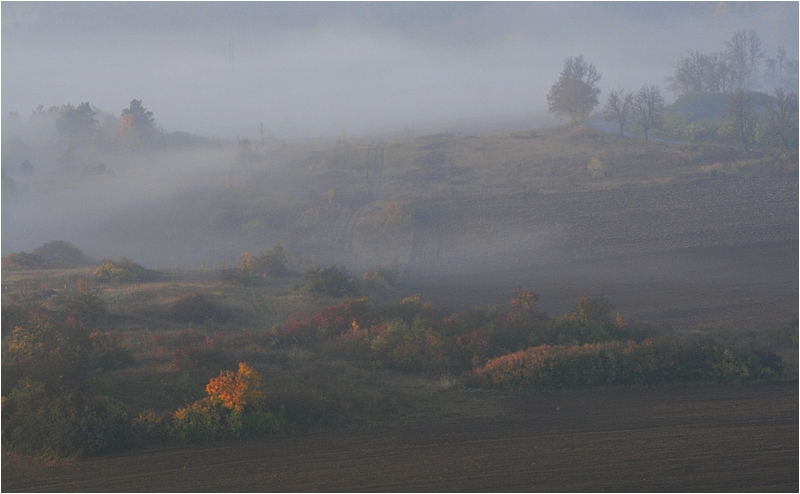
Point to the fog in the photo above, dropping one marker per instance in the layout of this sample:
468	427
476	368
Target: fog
315	71
316	68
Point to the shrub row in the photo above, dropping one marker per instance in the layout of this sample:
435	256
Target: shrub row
521	346
651	361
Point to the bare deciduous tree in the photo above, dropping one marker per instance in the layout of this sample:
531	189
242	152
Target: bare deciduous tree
618	108
780	115
740	117
648	105
781	72
744	53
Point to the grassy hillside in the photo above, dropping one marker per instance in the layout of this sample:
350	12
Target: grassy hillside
434	237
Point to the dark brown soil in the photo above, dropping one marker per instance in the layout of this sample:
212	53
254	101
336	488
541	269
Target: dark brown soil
681	438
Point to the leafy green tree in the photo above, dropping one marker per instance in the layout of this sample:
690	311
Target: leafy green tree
575	93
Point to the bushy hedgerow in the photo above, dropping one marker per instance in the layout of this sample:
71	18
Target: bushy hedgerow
412	336
521	346
651	361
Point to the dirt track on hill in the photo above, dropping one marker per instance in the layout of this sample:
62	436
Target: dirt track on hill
683	438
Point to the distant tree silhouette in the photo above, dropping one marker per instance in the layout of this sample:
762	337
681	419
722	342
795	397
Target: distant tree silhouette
76	123
137	119
575	93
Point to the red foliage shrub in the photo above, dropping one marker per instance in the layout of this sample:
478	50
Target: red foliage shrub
328	322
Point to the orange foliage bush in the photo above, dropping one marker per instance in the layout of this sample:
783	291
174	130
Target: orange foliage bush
562	366
235	390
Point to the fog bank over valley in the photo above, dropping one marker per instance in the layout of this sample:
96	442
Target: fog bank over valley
182	134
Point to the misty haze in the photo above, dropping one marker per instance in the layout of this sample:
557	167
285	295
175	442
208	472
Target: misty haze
484	227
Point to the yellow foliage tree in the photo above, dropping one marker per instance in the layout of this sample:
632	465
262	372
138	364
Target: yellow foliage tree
247	263
234	390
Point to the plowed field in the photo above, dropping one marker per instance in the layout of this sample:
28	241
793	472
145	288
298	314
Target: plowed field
683	438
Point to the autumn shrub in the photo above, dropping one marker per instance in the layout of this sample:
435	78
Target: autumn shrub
123	270
234	408
302	329
575	366
614	363
196	366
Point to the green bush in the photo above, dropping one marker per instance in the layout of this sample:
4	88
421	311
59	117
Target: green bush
66	425
50	364
334	281
205	421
